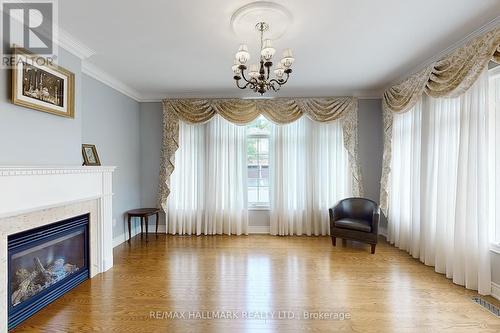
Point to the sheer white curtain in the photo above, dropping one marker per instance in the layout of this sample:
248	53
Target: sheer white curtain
404	206
439	209
209	194
494	131
309	174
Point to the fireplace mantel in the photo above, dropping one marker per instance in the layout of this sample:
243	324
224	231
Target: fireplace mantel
25	189
34	196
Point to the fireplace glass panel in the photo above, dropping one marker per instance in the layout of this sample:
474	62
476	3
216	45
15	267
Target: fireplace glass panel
41	266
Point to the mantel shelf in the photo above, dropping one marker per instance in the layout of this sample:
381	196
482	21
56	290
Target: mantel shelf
50	170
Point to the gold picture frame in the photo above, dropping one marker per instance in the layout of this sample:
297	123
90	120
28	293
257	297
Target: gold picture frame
40	85
90	156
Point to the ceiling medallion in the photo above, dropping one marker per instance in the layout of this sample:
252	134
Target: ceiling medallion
260	76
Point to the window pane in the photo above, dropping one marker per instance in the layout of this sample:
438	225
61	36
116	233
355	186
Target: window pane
264	160
263	146
252	147
264	194
253	172
253	160
263	182
253	194
264	176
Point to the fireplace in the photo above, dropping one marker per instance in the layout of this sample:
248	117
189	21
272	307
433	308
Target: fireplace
44	263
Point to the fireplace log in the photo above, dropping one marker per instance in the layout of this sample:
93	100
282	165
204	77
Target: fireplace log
23	291
38	266
31	283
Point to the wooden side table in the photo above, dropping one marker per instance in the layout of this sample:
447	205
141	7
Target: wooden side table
143	214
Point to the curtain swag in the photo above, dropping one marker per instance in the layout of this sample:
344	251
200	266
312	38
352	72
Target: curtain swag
241	111
449	77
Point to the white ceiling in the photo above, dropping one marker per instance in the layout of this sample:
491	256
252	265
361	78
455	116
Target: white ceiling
342	47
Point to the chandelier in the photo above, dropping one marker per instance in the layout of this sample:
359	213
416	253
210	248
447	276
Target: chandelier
259	77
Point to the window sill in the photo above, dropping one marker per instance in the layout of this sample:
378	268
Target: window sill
259	208
495	247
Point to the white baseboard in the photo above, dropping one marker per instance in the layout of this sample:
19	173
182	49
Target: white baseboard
135	231
123	237
257	229
495	290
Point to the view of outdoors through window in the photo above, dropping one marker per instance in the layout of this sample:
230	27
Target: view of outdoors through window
258	162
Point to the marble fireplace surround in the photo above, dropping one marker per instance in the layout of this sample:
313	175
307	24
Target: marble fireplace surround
31	197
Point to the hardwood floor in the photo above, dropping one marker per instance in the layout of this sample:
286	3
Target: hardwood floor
385	292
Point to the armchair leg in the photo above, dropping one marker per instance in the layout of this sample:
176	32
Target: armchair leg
334	241
373	248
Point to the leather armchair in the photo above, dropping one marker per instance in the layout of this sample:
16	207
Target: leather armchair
355	219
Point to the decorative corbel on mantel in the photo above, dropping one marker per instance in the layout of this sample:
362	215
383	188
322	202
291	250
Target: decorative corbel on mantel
449	77
241	112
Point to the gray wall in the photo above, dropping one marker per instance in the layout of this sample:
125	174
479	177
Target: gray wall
151	137
111	121
103	117
151	141
371	145
370	150
29	137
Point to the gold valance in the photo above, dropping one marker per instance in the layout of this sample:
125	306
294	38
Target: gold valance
450	76
244	111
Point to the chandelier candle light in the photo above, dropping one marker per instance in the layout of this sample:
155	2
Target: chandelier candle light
259	77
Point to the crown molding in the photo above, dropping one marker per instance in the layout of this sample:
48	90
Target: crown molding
481	30
150	98
100	75
65	40
73	45
82	51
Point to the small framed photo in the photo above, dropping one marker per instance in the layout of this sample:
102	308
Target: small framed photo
90	157
41	85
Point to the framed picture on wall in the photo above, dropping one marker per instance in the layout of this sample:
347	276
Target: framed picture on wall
90	157
40	85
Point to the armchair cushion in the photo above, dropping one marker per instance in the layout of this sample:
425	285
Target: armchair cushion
353	224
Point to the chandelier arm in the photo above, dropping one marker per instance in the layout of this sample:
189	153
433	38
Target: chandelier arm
287	77
252	80
278	82
241	87
286	80
271	84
